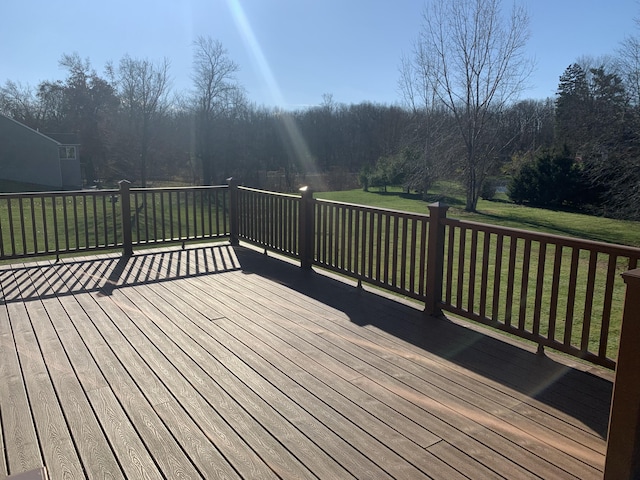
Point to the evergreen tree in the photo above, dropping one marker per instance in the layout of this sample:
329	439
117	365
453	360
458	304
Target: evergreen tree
572	109
550	180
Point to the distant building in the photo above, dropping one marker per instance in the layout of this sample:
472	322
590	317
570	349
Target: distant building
47	160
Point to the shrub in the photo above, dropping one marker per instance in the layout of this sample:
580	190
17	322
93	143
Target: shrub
489	189
550	180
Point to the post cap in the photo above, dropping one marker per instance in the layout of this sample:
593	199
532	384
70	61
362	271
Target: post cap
631	276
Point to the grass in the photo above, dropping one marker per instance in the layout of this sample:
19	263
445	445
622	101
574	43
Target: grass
499	212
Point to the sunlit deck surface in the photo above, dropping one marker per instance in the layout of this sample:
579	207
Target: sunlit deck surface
221	362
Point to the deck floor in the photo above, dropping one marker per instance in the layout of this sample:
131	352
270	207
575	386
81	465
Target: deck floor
215	362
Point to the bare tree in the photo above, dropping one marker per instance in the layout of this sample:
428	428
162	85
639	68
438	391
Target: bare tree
144	89
84	104
18	102
471	60
629	66
216	94
430	129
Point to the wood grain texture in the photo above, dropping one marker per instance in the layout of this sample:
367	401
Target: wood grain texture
273	353
20	442
449	394
221	362
56	444
94	451
138	389
280	415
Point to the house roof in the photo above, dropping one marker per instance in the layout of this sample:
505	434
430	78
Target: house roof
59	138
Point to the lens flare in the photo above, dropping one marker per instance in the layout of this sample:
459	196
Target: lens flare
290	131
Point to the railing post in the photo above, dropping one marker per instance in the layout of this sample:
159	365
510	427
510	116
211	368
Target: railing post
435	258
305	228
125	209
623	444
233	211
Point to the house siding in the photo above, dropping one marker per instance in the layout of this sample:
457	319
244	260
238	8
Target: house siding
70	172
31	157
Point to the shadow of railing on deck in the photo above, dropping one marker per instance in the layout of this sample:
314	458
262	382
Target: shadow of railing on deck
103	275
580	394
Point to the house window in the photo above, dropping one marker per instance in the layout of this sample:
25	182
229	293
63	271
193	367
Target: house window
67	152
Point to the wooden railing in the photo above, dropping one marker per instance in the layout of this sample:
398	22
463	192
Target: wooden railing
169	215
385	248
623	436
55	223
268	219
559	292
52	223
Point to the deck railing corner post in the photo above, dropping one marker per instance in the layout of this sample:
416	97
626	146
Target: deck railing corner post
623	439
305	228
125	209
435	258
233	211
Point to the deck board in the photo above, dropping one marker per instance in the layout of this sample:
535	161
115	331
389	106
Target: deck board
20	442
258	396
73	400
220	362
183	329
442	395
133	365
52	429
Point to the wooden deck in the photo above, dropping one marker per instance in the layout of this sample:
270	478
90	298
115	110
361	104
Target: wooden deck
214	362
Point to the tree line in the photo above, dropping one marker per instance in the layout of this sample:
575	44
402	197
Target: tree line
131	123
460	118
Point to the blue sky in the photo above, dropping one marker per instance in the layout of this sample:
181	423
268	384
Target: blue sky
290	52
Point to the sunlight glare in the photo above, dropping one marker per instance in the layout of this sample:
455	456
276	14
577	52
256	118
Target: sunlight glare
246	32
291	131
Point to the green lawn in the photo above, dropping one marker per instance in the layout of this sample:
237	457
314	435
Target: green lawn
499	212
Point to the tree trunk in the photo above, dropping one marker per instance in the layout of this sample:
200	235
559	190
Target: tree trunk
471	201
207	169
471	197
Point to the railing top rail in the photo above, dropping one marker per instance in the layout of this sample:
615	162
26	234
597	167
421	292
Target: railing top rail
268	192
105	191
563	240
59	193
375	209
186	187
